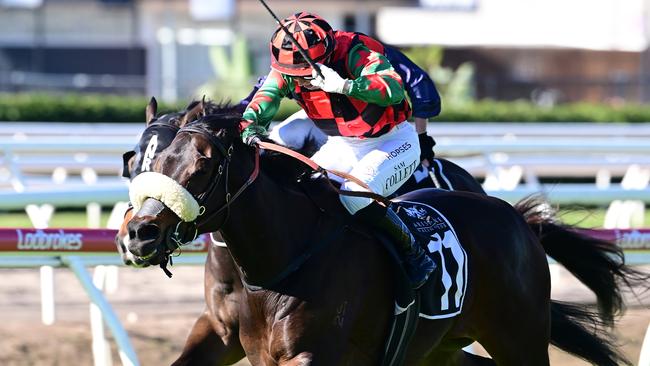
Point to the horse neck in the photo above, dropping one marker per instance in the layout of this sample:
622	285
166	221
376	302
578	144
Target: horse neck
268	225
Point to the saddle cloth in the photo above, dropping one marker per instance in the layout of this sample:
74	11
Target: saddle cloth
443	294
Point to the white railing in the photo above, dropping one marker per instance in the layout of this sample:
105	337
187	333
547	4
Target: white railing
45	248
101	309
65	196
78	164
75	164
97	250
586	194
436	128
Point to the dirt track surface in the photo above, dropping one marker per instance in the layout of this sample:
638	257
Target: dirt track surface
158	313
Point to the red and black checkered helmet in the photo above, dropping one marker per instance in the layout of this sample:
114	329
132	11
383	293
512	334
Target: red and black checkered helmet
312	32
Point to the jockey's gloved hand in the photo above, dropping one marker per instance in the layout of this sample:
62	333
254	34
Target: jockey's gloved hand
426	147
331	81
253	134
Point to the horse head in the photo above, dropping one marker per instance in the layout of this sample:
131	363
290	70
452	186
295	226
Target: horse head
187	187
158	134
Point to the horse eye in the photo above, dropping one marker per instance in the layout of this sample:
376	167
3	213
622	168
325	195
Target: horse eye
202	166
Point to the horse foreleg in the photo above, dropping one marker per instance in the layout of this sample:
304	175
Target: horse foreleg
205	347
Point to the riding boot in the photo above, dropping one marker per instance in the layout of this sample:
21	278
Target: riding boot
418	265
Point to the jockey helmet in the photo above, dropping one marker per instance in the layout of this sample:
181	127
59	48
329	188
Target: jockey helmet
313	34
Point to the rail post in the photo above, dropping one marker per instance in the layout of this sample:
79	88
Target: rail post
126	350
644	357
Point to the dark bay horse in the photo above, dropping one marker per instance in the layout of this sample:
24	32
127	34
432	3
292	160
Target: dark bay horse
598	264
214	337
337	310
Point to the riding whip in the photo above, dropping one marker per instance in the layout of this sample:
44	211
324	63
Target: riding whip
302	51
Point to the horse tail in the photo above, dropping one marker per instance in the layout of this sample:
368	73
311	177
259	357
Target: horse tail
597	263
577	330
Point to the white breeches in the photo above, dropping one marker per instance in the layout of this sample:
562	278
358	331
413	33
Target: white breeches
384	163
294	131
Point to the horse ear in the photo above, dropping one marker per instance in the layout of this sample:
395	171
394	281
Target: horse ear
192	114
150	111
191	105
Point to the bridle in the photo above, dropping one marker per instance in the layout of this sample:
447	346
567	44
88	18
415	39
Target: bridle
165	127
177	237
222	172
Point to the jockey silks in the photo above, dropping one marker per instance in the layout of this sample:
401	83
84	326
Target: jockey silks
376	102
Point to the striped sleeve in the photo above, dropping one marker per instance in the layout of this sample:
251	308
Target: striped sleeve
265	103
376	81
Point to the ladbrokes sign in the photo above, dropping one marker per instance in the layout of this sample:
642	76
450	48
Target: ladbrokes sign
72	240
633	239
58	240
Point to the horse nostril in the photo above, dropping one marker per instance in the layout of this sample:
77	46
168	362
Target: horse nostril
147	232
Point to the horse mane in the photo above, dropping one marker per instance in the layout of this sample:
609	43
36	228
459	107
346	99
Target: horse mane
282	168
224	118
211	107
172	119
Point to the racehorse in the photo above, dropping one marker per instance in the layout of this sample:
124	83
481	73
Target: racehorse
279	324
213	339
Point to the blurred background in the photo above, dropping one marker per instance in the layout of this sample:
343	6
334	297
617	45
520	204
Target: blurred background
547	52
537	96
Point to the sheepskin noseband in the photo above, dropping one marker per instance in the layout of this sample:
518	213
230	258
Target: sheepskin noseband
166	190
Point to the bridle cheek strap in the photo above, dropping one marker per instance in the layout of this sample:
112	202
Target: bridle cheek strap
230	199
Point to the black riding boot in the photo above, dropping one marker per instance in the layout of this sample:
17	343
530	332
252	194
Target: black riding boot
418	264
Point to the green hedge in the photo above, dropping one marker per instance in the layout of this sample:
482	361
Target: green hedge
103	108
492	111
73	108
88	108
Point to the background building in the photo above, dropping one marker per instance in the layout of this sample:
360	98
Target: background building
542	50
569	50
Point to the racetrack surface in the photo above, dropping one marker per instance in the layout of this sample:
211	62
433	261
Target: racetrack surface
158	313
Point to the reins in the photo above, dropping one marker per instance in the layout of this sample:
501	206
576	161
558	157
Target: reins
204	198
312	164
223	171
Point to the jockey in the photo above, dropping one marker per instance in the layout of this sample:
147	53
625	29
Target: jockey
425	101
424	97
360	105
